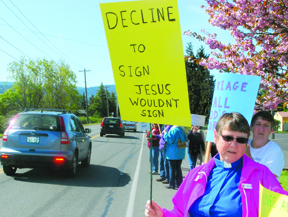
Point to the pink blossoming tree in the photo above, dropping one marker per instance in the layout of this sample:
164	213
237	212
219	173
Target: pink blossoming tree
260	30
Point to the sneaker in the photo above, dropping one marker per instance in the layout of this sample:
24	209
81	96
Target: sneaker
159	180
165	182
154	173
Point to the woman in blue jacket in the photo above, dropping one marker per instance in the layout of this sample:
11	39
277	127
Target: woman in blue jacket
175	154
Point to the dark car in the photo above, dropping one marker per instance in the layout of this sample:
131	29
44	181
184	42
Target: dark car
112	126
45	138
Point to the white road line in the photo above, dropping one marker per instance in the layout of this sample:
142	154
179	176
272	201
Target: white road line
129	212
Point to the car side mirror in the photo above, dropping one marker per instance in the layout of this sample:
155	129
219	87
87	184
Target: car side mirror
87	130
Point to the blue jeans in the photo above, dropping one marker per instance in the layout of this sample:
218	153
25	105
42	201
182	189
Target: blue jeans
164	167
175	173
155	157
192	159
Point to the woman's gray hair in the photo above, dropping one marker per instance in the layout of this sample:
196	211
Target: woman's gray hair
233	121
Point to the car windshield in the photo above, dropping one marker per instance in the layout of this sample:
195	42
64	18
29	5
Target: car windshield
111	121
129	122
37	122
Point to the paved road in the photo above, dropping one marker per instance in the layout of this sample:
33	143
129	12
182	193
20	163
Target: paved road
282	140
117	183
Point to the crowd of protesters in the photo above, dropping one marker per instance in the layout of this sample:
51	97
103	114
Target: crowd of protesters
170	142
209	187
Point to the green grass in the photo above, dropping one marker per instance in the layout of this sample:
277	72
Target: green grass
284	179
91	124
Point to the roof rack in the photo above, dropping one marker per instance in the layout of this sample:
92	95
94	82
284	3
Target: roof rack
47	109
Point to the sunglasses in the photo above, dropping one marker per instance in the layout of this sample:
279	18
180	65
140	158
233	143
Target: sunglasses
231	138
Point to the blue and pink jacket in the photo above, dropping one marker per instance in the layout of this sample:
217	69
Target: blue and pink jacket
155	139
162	140
252	173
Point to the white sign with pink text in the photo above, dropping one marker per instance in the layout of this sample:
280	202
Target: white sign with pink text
232	93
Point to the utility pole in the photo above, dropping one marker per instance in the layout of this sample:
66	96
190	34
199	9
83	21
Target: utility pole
86	94
116	107
273	134
107	102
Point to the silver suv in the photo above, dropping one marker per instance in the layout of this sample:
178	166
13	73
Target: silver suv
45	138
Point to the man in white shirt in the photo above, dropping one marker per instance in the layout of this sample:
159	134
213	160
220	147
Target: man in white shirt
260	148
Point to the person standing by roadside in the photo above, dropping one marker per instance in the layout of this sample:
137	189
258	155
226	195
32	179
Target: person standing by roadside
164	167
195	145
175	153
201	154
261	149
214	150
155	147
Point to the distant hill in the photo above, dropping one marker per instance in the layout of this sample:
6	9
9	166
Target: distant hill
5	85
90	90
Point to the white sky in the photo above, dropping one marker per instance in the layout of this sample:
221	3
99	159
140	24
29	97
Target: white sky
75	33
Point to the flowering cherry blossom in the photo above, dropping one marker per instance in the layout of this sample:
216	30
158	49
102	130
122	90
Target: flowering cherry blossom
260	30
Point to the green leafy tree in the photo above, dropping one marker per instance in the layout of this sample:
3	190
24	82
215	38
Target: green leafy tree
92	107
83	102
112	103
91	100
99	105
2	124
277	124
10	101
200	82
45	84
107	102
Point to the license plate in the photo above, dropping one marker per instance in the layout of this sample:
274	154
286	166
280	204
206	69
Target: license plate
32	139
111	126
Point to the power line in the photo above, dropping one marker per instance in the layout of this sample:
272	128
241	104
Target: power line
44	35
86	94
28	26
16	48
92	75
54	36
25	38
8	54
37	36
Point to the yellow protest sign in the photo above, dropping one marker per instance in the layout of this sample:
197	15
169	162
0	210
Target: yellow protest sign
272	204
145	45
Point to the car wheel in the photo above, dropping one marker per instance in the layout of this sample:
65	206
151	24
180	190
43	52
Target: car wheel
86	161
134	130
123	134
101	134
9	170
73	167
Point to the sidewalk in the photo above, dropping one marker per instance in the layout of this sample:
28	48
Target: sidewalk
282	140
